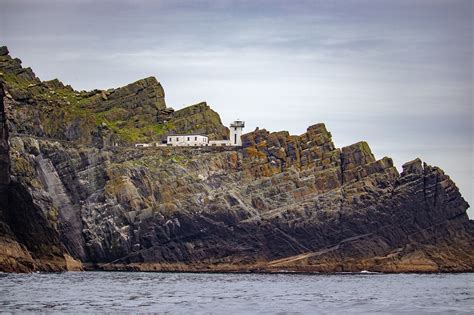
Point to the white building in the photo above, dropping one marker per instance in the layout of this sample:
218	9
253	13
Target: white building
197	140
236	132
234	137
191	140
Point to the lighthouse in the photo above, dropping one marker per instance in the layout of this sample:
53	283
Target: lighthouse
198	140
236	132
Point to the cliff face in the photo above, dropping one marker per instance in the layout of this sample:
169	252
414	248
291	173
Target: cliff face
28	238
280	202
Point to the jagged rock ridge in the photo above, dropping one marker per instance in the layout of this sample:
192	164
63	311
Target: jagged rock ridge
134	113
280	202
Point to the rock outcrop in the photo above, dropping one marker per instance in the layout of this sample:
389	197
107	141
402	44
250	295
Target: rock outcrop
28	239
200	119
280	203
134	113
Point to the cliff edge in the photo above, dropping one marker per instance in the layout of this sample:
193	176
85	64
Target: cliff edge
73	189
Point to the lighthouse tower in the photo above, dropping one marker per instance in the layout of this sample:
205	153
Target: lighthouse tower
236	132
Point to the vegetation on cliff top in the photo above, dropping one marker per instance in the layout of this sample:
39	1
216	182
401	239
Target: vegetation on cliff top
126	115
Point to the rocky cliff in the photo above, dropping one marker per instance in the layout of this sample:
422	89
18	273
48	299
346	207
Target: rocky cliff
75	187
28	237
122	116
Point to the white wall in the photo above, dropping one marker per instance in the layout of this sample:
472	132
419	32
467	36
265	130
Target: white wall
235	136
219	143
187	140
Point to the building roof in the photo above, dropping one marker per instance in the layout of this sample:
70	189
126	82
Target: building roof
185	135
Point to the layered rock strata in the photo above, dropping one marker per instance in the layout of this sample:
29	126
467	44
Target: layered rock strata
29	240
280	203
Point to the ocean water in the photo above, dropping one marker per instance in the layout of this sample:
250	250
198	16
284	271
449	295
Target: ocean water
192	293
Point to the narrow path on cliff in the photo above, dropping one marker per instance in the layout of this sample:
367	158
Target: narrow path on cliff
317	253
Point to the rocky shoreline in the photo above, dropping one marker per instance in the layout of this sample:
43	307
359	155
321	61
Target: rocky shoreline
75	194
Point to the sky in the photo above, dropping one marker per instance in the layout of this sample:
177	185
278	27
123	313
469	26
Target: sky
397	74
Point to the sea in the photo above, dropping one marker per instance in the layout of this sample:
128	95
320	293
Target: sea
219	293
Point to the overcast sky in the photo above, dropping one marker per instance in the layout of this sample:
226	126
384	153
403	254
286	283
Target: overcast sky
397	74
